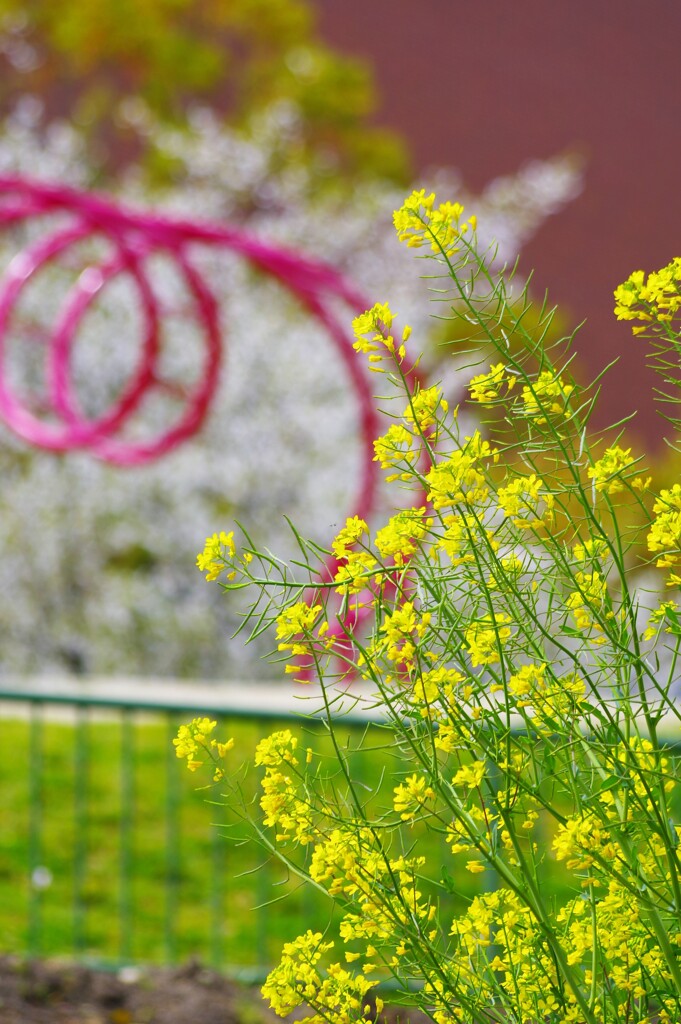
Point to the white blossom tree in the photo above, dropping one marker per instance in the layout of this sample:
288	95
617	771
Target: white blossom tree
97	566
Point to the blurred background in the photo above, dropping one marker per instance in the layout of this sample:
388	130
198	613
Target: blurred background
304	123
485	87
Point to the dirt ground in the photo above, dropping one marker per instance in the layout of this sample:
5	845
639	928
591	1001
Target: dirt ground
37	992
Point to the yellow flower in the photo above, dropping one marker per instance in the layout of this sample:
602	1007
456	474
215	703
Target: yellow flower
589	598
298	618
526	502
295	626
470	775
528	678
373	337
353	531
418	221
218	549
665	533
548	395
410	218
605	472
410	796
654	300
590	549
460	479
403	629
277	749
423	408
581	840
485	638
485	388
666	610
375	322
435	687
352	577
194	740
453	539
395	446
400	537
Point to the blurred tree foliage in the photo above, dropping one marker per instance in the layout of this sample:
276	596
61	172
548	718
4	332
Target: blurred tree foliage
88	59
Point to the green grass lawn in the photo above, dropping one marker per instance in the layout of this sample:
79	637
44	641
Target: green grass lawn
134	864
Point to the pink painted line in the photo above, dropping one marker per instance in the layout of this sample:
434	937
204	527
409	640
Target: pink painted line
134	236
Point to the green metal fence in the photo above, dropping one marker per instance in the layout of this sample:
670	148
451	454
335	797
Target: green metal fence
109	854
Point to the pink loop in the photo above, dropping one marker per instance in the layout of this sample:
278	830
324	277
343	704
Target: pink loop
76	304
199	398
134	237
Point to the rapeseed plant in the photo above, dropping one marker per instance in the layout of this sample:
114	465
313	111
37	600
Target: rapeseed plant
496	622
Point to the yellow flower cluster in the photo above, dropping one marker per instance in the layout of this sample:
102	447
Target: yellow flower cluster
394	447
383	890
434	690
629	959
606	472
522	959
283	807
295	631
356	568
654	299
400	445
486	637
548	395
470	775
403	629
425	405
195	739
458	536
666	611
485	388
418	222
590	598
411	796
373	337
353	531
517	740
550	699
298	981
527	502
664	535
591	550
399	539
629	952
460	479
219	549
580	840
511	568
645	767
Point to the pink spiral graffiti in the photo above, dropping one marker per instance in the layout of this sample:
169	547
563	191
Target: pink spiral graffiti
134	237
56	422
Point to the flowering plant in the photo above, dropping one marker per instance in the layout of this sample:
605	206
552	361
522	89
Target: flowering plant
496	624
109	573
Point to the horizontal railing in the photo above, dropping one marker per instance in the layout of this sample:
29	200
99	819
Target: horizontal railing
108	853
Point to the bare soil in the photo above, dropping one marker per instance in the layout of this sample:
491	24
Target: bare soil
55	992
37	992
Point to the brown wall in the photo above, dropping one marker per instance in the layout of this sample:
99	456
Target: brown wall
484	86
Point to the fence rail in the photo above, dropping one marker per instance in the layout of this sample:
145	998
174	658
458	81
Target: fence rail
108	853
